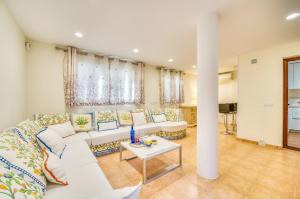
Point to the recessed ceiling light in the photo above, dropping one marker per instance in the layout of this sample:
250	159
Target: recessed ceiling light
135	50
193	66
78	34
292	16
170	60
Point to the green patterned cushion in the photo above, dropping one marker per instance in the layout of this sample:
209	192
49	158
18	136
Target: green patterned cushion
171	114
51	119
22	158
13	186
138	110
105	116
30	129
156	111
125	118
82	121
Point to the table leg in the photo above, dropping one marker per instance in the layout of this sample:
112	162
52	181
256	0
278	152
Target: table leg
121	150
180	156
144	171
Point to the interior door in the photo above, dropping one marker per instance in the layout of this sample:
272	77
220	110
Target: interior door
296	72
291	75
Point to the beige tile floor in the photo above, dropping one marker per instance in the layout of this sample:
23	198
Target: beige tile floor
246	170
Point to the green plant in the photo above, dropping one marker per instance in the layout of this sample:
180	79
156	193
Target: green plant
81	120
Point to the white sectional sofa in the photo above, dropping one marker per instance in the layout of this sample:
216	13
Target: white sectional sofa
85	177
108	141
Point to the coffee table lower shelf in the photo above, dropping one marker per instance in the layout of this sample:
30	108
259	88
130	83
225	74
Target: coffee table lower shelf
147	179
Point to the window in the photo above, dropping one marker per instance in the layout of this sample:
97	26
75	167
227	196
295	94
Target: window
171	87
101	80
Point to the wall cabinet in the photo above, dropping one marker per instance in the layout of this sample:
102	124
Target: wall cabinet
294	75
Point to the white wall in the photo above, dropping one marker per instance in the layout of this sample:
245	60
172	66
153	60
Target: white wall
190	89
45	92
45	82
12	70
228	89
260	88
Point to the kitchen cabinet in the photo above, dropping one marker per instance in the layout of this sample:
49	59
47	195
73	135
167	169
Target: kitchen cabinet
294	119
294	75
189	114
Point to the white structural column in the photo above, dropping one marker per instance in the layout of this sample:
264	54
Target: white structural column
207	100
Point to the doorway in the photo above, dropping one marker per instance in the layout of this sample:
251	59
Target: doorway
291	103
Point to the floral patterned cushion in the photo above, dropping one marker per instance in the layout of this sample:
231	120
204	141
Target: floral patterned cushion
51	119
125	118
82	122
171	115
13	185
21	158
105	116
29	129
156	111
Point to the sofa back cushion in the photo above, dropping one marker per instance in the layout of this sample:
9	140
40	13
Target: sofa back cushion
30	129
82	121
106	120
64	130
51	119
105	116
109	125
159	118
53	169
138	118
21	158
125	118
13	185
47	138
172	114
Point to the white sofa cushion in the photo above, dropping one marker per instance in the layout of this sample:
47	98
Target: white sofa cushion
138	118
109	136
52	141
77	154
123	193
81	136
159	118
53	170
108	125
172	126
64	129
146	129
85	182
121	133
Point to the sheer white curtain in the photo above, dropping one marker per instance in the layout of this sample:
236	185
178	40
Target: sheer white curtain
126	82
171	86
92	80
100	80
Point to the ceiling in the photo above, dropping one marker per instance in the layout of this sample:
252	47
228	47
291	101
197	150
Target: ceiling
161	29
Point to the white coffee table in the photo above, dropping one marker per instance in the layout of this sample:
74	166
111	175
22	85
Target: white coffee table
146	153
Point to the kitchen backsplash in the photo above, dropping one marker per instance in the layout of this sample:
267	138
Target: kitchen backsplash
294	93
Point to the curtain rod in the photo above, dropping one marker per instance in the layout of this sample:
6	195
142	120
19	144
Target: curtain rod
171	69
86	52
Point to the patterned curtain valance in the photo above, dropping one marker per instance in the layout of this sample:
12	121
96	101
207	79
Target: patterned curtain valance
171	86
98	80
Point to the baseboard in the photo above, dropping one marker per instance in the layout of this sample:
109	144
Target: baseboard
256	142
